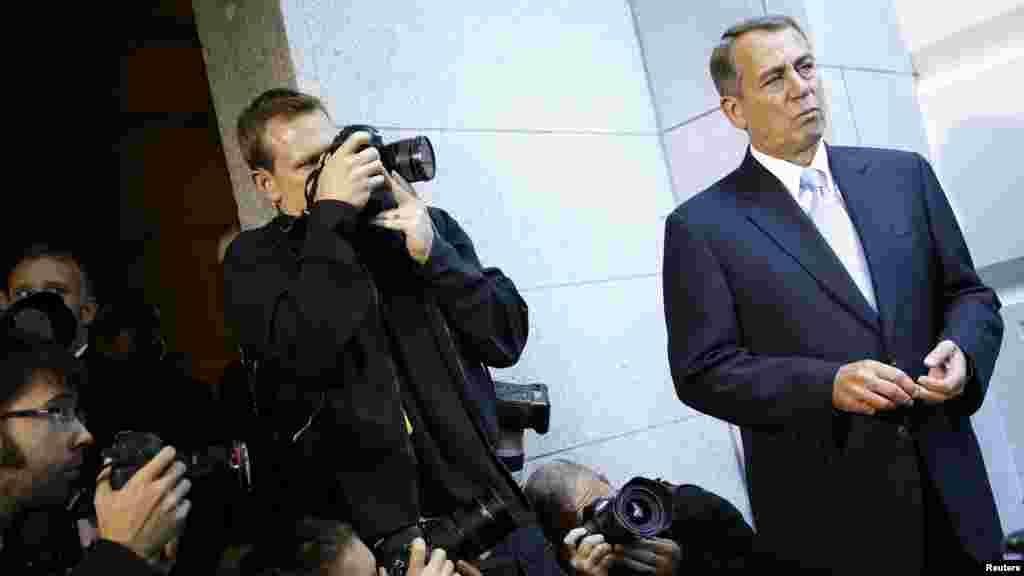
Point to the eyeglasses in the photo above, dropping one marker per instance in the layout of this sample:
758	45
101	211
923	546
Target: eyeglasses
62	413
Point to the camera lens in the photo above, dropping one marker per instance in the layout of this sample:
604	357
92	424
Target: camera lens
638	512
413	158
642	512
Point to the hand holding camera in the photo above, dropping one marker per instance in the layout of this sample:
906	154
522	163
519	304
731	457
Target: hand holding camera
351	172
149	510
410	218
588	553
658	556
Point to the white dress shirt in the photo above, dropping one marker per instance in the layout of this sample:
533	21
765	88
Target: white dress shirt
834	225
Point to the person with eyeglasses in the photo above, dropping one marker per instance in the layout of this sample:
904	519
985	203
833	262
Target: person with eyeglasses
43	438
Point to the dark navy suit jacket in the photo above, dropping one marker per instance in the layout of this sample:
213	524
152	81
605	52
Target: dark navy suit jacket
761	314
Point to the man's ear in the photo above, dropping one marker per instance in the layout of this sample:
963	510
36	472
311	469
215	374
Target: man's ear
88	312
732	107
264	182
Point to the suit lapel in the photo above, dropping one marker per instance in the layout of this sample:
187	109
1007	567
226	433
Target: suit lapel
774	211
856	179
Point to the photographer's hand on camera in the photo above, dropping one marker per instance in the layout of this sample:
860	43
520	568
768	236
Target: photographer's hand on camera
350	174
149	510
588	553
411	218
659	556
439	564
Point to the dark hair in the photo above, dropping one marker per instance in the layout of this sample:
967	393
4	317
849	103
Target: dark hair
23	355
322	542
551	489
39	250
723	65
252	123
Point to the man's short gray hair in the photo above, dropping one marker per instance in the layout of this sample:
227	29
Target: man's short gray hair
551	488
723	63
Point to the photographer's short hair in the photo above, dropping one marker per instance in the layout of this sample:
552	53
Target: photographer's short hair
252	123
723	64
323	544
40	250
551	489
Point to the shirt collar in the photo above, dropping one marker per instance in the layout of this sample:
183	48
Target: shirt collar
789	173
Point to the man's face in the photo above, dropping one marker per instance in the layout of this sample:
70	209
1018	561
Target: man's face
59	276
49	452
588	489
779	103
295	145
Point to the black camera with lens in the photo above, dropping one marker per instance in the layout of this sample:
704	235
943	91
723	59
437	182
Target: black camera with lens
413	158
463	535
132	450
43	315
641	509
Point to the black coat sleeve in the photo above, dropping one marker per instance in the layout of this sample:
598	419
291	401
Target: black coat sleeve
970	309
300	317
710	530
712	370
481	304
108	558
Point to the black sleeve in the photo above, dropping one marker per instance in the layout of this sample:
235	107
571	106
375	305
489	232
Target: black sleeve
970	308
713	372
482	304
301	317
710	530
108	558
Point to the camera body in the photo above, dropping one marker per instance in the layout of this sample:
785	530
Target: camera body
641	509
413	158
132	450
522	406
43	315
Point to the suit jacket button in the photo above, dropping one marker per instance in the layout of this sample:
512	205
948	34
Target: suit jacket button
903	431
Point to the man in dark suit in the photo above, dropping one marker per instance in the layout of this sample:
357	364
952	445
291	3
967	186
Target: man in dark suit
823	299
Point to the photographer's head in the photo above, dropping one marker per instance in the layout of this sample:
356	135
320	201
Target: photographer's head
559	491
331	548
47	268
282	134
42	438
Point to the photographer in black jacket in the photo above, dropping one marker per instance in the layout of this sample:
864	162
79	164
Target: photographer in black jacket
370	331
705	531
42	446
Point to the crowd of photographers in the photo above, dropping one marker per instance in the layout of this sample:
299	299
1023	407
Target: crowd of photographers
85	493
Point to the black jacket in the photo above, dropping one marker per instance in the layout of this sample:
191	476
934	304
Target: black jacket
713	534
109	558
344	324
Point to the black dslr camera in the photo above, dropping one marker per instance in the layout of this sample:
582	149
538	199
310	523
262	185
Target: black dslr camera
641	509
132	450
43	315
522	406
413	158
